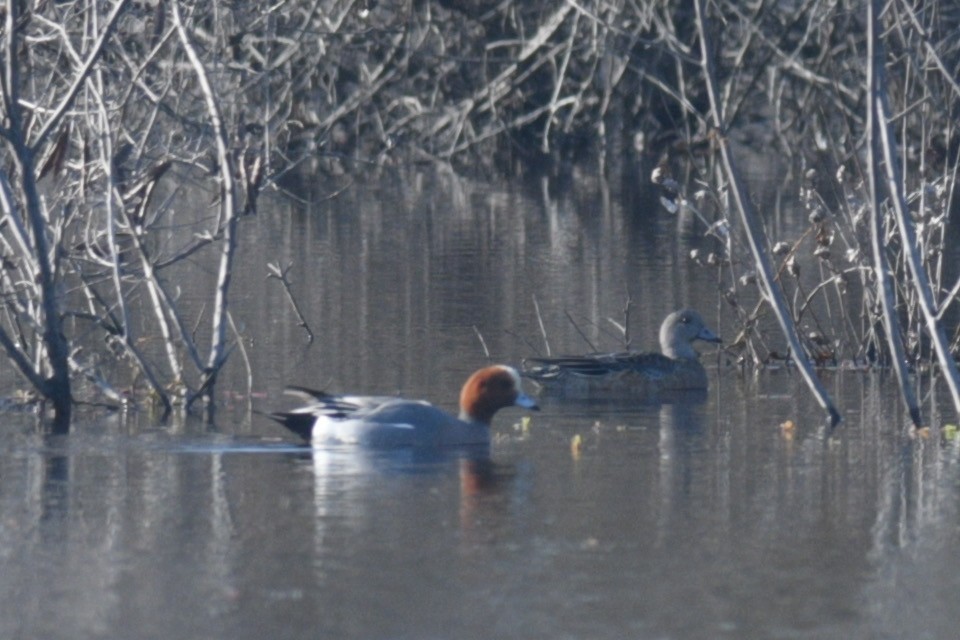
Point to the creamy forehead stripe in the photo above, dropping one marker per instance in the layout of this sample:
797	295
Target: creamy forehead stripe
512	373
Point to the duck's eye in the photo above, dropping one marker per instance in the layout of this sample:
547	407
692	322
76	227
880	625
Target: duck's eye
685	319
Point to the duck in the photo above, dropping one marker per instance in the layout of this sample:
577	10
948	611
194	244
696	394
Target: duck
630	374
390	421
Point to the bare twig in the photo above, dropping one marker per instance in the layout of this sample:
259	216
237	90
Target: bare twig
543	330
281	274
246	359
483	343
582	334
93	55
752	226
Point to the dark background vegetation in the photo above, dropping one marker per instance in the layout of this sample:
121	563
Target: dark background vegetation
108	106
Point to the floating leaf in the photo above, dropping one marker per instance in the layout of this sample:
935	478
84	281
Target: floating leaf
576	444
788	430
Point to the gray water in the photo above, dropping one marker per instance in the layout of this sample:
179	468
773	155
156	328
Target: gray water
702	519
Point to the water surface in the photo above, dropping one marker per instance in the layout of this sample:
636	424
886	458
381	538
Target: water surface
702	519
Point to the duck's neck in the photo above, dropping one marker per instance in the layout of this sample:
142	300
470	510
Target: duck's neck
684	351
474	418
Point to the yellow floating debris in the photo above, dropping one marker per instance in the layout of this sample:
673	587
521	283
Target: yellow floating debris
576	444
787	429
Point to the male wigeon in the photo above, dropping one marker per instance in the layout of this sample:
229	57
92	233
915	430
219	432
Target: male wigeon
630	374
386	421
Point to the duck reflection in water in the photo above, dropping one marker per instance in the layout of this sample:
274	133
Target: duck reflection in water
487	490
683	446
347	480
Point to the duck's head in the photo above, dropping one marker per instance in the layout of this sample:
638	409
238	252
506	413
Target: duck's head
679	331
491	389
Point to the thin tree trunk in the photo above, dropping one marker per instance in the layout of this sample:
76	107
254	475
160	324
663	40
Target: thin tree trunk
56	387
885	286
228	216
908	235
756	237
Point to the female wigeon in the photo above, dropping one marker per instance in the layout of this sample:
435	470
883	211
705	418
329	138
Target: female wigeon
630	374
385	421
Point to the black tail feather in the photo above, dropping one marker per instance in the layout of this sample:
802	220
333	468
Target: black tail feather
300	423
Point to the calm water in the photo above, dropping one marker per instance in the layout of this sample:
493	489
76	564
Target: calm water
697	520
